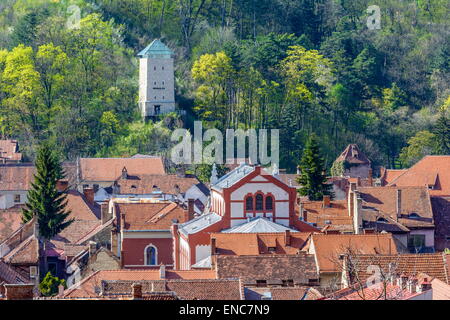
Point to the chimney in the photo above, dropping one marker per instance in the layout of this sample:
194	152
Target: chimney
287	237
353	186
190	209
92	248
124	173
298	170
402	280
162	271
104	212
60	290
89	194
357	214
213	246
370	177
425	285
412	285
136	289
399	204
305	215
300	210
326	201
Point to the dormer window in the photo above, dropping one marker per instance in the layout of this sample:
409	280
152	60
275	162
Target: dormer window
271	249
382	220
414	215
430	186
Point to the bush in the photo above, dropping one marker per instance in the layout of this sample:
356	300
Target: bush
49	285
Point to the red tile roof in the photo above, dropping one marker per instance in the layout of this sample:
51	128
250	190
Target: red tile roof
10	221
151	216
27	252
9	275
334	217
389	175
352	154
110	169
16	177
433	264
169	184
377	292
258	243
431	170
9	151
91	284
329	247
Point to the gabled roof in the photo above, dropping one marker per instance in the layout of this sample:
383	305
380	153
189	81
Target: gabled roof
155	48
110	169
9	275
168	184
9	151
329	247
27	252
233	176
433	264
352	154
259	243
258	224
10	221
335	217
430	171
151	216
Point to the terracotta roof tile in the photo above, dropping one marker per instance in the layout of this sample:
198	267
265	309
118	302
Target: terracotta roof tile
433	264
352	154
9	275
16	177
110	169
328	248
10	221
168	184
27	252
431	170
151	216
335	217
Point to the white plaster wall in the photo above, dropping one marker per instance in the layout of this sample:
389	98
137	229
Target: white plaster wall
7	198
282	209
237	209
202	252
240	193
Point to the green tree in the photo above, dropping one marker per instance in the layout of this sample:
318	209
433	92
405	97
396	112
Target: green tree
420	145
44	199
442	130
312	176
49	285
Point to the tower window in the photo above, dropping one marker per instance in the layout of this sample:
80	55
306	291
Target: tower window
154	68
163	67
163	82
150	255
154	83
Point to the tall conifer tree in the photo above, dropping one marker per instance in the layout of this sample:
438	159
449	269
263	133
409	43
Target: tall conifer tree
312	176
44	199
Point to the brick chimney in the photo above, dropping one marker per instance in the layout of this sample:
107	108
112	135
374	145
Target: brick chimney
370	177
326	201
305	215
104	212
136	289
190	209
89	194
412	285
398	210
92	248
162	271
60	290
124	173
402	280
213	246
287	237
425	285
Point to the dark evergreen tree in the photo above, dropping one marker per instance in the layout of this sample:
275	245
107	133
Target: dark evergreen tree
312	176
442	132
44	199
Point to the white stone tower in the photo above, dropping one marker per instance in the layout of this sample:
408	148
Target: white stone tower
156	80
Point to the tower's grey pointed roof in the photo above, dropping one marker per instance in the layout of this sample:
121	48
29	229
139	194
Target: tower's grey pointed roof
257	225
155	48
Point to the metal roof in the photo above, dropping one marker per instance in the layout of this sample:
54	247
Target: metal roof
233	176
199	223
258	225
155	48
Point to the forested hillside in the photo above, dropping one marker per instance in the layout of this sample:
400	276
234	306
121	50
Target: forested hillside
301	66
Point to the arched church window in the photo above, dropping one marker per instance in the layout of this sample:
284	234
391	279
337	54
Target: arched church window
269	203
151	255
249	203
259	202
